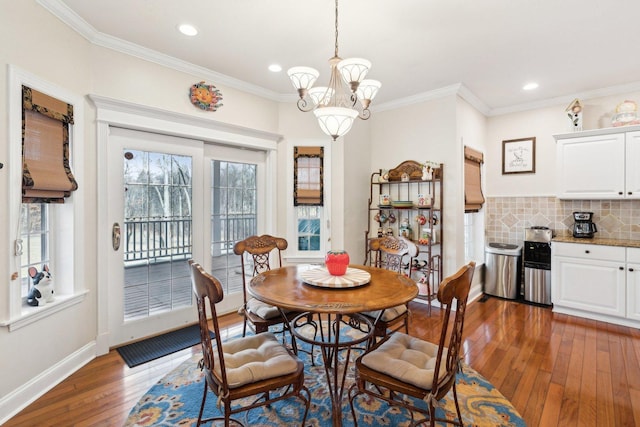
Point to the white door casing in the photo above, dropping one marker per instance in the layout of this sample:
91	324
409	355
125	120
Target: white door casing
111	112
120	329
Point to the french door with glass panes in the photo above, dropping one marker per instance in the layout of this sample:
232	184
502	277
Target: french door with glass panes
166	197
235	197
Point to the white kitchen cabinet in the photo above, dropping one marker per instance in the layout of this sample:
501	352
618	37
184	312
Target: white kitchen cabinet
599	164
633	283
589	279
632	171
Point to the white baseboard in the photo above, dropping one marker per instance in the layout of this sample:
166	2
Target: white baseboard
26	394
102	344
475	292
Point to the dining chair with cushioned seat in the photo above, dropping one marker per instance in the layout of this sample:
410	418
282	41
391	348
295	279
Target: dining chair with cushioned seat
256	253
257	365
406	365
391	253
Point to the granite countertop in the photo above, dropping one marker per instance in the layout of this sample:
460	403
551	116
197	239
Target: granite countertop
567	238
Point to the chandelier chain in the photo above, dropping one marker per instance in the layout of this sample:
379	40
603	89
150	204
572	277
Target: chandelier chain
336	105
336	51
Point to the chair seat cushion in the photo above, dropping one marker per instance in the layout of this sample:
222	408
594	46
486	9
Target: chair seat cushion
407	359
262	309
255	358
389	313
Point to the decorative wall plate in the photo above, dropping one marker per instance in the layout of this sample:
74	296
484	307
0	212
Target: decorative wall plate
320	277
205	97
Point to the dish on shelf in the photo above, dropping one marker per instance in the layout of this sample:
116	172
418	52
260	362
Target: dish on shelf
402	204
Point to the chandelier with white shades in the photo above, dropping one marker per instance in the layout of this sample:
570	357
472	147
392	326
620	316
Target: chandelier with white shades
336	106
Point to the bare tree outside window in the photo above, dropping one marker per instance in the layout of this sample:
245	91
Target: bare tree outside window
157	232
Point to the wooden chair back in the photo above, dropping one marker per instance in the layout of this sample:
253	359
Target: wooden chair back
270	388
257	255
453	291
390	252
453	294
208	292
259	250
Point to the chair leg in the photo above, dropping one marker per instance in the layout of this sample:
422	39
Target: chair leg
455	399
432	414
204	399
351	398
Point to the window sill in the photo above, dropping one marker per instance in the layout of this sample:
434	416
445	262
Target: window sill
31	315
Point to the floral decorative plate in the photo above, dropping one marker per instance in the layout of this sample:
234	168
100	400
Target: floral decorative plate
206	97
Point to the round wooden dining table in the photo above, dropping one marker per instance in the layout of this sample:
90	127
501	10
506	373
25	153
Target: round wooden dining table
335	302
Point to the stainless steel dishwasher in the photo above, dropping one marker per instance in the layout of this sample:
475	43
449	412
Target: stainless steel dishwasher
502	270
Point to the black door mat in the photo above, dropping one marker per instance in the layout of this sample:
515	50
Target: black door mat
153	348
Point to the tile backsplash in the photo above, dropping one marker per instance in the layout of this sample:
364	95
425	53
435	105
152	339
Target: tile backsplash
507	217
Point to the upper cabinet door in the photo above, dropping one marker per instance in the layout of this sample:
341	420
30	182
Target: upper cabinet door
632	161
591	167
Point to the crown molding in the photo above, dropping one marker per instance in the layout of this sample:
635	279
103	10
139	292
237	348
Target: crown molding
417	98
75	22
457	89
466	94
61	11
562	100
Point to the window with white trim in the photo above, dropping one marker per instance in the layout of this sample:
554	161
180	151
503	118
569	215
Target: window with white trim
45	230
308	229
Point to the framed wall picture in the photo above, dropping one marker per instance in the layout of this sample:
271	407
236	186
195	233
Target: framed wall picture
519	155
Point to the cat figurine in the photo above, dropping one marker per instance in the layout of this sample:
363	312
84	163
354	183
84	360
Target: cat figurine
42	290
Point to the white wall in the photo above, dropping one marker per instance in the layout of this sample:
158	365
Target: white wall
355	184
40	44
35	357
123	77
472	132
421	132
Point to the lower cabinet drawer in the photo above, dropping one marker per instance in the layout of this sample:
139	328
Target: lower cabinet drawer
589	251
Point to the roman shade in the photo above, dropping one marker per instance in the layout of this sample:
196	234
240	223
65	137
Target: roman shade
308	187
46	173
473	198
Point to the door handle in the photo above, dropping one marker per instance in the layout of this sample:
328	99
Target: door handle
115	236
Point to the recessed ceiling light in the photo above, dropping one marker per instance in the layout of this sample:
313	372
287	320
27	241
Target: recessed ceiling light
187	30
275	68
530	86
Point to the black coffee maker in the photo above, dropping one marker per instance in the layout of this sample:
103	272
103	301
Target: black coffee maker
583	226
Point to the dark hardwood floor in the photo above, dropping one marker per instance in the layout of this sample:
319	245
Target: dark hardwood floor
557	370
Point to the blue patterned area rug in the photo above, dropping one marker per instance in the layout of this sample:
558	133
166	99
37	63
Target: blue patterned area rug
175	400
